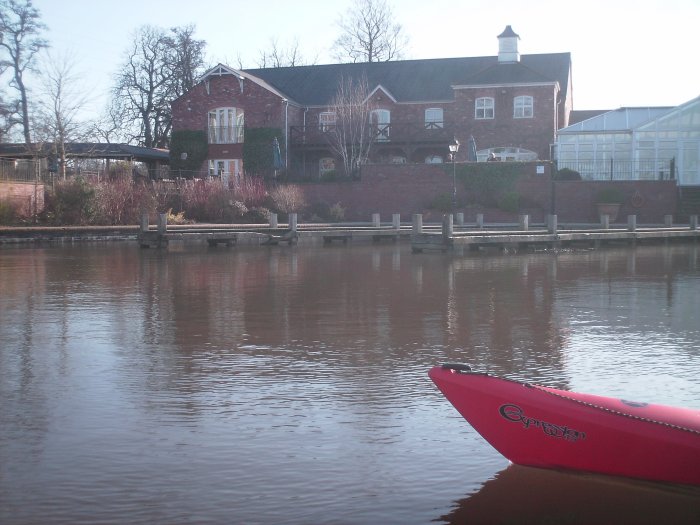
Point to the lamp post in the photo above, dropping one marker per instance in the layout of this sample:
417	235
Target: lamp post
454	148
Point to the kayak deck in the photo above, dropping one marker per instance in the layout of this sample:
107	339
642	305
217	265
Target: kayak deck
545	427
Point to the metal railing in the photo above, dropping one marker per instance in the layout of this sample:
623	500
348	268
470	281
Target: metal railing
25	170
621	169
423	132
225	134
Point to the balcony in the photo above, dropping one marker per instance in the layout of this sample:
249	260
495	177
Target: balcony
225	134
400	134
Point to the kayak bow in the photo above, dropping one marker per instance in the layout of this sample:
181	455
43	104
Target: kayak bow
549	428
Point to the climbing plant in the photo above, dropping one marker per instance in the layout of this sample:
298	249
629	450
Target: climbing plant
257	150
486	182
188	150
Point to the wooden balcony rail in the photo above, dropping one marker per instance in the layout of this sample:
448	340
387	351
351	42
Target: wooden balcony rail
402	133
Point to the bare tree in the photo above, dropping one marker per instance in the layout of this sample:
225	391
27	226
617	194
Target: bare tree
278	56
58	109
351	137
369	33
187	58
20	40
159	67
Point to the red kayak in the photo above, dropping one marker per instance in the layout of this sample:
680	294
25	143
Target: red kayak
545	427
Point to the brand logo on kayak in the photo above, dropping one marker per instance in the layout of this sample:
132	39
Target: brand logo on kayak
516	414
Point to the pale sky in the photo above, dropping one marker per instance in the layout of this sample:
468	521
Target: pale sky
624	52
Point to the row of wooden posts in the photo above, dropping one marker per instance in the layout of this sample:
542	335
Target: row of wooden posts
448	223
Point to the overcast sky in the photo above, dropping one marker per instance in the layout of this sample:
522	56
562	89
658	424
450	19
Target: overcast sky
624	52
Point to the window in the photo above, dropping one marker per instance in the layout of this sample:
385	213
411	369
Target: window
326	121
381	123
433	159
483	108
522	107
229	170
433	118
226	126
326	165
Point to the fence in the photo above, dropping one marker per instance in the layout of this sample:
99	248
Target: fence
622	169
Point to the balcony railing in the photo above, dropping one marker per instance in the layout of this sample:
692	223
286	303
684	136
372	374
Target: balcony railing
427	133
225	134
621	169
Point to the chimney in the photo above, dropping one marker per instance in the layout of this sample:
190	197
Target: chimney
508	46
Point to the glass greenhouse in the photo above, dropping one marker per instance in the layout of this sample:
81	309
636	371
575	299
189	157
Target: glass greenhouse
635	144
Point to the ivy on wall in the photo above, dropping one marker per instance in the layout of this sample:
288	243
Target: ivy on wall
257	150
486	182
196	147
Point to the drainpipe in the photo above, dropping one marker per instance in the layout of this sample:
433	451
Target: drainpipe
303	156
286	131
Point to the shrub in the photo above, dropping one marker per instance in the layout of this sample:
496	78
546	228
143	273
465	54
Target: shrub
259	215
337	212
567	174
252	192
72	202
122	201
287	199
176	218
9	212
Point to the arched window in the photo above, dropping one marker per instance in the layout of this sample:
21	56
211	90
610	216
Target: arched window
483	108
522	107
226	126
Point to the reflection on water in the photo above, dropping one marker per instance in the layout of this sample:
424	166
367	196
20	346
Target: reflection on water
288	385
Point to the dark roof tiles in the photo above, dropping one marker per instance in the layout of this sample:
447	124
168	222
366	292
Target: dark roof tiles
415	80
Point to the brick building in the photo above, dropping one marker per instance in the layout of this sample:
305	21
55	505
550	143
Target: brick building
511	104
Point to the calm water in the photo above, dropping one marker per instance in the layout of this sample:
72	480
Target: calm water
288	385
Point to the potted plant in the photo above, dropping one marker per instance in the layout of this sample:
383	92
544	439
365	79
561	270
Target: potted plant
608	202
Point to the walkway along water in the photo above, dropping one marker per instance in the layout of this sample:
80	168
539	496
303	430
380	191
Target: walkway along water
433	236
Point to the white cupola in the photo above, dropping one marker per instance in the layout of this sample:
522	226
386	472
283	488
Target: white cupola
508	46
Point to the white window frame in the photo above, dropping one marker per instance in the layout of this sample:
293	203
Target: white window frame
226	125
523	107
381	121
325	165
227	169
484	108
326	120
434	118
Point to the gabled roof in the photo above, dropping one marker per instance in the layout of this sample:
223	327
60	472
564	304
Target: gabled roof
221	70
415	80
620	120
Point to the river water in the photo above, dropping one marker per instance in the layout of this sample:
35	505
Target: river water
266	385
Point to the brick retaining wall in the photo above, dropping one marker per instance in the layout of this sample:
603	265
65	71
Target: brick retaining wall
412	188
27	196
